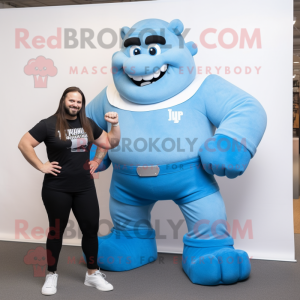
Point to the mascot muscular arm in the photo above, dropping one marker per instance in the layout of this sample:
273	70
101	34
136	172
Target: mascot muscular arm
240	121
159	98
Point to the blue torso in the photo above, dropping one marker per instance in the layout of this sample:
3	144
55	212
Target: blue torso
176	132
215	103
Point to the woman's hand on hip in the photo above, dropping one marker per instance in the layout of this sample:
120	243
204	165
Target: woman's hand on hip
93	166
50	168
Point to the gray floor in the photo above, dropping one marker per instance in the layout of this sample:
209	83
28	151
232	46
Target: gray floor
161	281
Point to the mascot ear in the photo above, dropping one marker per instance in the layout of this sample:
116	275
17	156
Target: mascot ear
192	47
124	30
176	27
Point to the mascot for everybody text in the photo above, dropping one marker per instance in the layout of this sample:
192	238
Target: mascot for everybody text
167	116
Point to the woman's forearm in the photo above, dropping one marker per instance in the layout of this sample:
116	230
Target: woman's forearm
30	155
100	154
114	136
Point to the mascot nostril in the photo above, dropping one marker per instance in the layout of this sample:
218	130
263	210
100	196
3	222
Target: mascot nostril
170	150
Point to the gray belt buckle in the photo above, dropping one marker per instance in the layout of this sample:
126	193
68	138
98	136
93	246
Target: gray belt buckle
147	171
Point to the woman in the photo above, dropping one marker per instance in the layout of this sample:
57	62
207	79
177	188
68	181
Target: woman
68	183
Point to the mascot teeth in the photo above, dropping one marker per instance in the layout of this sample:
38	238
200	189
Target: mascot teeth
164	68
148	79
145	83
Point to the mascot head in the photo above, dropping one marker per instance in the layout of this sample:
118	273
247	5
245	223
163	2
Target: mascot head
154	63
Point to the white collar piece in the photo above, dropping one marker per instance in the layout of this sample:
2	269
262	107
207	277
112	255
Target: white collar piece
116	100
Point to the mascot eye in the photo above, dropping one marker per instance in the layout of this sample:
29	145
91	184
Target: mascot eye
154	49
135	50
36	68
45	68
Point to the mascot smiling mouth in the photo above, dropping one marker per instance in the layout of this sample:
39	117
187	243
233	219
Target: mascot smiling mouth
150	78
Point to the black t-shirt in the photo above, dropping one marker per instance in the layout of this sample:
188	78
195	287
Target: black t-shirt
72	155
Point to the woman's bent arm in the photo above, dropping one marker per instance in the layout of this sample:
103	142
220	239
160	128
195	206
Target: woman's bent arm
26	145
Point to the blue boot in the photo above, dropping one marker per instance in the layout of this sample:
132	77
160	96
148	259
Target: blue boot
126	250
214	262
208	255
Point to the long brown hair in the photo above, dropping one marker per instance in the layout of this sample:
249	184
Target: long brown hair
61	121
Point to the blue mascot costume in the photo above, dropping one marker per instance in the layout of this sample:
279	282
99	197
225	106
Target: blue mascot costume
169	150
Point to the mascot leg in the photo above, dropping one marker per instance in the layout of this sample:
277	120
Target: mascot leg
208	256
131	242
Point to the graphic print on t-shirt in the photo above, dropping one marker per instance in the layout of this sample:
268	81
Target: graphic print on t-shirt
79	139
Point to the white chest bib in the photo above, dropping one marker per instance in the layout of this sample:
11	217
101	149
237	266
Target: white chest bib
116	100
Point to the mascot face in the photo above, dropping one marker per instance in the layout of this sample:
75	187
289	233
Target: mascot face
154	63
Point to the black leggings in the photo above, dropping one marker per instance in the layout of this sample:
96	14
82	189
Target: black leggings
86	211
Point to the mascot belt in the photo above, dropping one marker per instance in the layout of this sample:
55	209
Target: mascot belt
155	170
182	182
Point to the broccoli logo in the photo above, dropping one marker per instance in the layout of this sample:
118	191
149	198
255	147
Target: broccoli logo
40	68
38	259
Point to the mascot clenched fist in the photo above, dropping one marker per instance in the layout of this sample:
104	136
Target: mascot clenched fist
169	150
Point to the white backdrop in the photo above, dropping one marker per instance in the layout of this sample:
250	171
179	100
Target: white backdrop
259	203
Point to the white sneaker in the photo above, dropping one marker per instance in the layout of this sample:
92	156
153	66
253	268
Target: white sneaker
49	287
97	280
